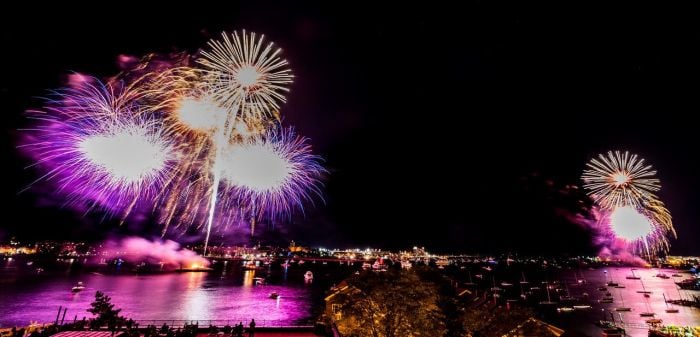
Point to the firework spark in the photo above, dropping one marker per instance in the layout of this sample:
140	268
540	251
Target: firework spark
246	76
620	179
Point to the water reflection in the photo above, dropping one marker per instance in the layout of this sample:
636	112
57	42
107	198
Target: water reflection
248	277
178	296
632	286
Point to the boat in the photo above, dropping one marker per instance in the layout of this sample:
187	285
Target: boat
676	275
494	288
308	276
549	298
610	329
506	284
669	309
567	296
565	309
582	307
623	307
78	287
610	283
654	321
647	313
633	276
689	284
442	262
471	282
606	300
250	265
523	281
258	280
644	289
405	264
274	295
663	276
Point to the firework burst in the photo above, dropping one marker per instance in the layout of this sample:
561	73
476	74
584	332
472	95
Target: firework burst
196	145
89	140
624	188
636	229
272	172
620	179
246	76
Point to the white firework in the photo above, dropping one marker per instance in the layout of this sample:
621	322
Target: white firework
620	179
245	75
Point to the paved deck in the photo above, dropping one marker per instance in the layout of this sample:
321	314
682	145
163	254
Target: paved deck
273	333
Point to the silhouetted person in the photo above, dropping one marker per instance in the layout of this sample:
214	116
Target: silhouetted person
251	332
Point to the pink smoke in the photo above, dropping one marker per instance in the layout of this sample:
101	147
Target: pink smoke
622	255
611	247
77	79
167	252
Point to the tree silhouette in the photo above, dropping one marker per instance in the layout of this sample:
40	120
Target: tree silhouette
104	310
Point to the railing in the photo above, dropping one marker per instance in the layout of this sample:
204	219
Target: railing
634	325
220	323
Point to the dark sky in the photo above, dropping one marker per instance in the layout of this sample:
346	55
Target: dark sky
448	127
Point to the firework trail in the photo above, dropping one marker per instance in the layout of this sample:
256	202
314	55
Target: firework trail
248	79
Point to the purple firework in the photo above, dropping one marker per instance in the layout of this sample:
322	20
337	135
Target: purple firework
94	144
271	173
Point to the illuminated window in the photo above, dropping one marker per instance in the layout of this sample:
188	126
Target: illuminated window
337	311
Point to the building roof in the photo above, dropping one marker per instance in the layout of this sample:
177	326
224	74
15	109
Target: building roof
342	288
521	330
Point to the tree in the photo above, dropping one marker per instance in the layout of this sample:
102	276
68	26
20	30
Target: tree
391	304
104	310
498	321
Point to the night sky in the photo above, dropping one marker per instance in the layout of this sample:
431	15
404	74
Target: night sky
454	128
